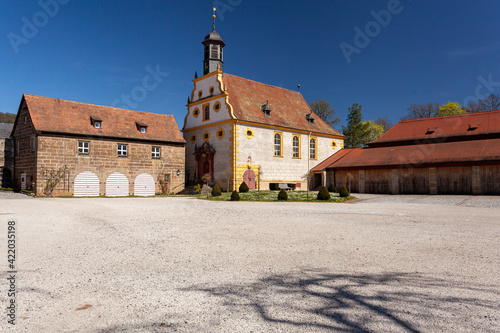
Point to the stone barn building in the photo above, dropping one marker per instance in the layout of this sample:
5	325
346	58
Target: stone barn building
242	130
457	154
6	155
76	149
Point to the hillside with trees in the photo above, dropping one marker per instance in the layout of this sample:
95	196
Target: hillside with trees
8	118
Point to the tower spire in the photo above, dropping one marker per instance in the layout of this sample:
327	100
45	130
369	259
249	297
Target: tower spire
213	16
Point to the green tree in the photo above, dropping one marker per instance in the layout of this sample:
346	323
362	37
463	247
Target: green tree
356	132
450	109
375	130
325	111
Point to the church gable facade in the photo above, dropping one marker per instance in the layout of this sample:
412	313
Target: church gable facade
242	130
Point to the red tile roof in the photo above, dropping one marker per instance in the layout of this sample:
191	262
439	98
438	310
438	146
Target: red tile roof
288	108
434	153
482	123
61	116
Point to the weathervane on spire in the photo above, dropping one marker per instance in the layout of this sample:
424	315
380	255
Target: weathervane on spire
214	17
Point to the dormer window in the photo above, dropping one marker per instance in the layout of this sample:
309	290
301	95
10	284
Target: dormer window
96	122
430	130
266	110
143	128
472	127
310	118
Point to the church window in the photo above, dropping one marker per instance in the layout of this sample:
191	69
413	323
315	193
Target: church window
206	136
211	90
220	133
296	146
334	144
249	133
206	114
313	148
196	112
217	106
200	93
278	144
193	138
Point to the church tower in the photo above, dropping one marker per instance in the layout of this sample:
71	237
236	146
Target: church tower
213	59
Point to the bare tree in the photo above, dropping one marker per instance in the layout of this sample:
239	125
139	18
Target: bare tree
385	122
416	111
325	111
489	103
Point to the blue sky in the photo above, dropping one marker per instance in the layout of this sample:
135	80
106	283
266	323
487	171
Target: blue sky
418	51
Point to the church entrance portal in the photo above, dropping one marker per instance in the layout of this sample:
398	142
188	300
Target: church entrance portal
249	179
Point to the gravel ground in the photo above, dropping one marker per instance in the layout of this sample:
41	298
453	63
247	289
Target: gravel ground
378	264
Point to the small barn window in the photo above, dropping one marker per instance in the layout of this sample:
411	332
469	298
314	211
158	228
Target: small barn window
155	152
33	143
83	148
122	150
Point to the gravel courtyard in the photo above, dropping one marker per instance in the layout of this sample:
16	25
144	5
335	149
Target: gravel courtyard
178	264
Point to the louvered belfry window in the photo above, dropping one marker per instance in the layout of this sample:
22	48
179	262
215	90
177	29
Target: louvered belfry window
215	52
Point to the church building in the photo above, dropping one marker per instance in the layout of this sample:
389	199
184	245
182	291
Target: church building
238	129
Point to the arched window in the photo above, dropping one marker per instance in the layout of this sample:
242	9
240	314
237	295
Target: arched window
277	144
206	115
296	147
312	149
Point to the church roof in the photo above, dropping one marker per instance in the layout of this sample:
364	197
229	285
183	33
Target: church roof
214	35
288	108
62	116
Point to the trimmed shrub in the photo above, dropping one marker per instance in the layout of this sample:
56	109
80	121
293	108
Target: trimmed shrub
323	194
283	195
332	188
274	186
216	191
235	196
344	193
292	186
244	187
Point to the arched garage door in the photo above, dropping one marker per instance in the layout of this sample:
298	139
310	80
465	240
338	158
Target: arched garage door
86	185
117	185
144	185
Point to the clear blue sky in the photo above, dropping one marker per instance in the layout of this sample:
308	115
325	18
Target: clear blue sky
96	51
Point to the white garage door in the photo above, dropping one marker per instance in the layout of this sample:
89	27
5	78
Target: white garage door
144	185
117	185
86	185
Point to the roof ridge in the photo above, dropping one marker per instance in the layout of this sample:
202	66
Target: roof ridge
270	85
453	115
98	105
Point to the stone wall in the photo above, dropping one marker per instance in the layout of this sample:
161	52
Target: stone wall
60	152
25	150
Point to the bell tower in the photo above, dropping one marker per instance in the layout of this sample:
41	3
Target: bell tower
214	45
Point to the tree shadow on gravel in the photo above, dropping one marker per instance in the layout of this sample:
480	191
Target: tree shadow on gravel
320	301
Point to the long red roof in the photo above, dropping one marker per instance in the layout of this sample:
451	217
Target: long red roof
434	153
62	116
438	128
288	108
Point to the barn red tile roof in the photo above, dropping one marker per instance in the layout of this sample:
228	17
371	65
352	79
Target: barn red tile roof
61	116
466	125
288	108
434	153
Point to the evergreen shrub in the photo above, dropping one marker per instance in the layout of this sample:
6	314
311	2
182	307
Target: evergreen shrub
235	196
283	195
244	187
216	191
344	193
323	194
332	188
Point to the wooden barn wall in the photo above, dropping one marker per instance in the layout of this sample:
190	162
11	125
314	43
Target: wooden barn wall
378	181
490	179
413	181
349	179
454	180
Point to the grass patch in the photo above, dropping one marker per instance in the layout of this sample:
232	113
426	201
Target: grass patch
272	196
